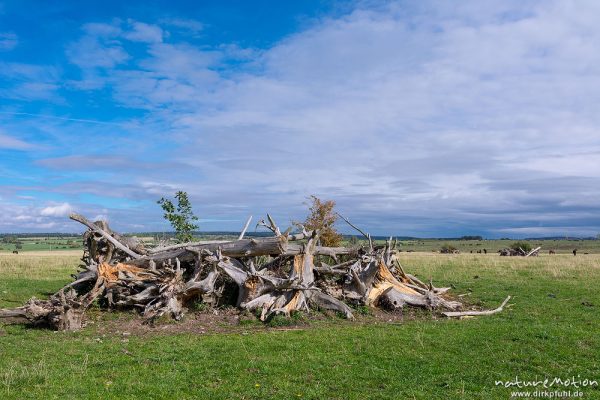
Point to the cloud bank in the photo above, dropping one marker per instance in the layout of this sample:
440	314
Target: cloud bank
418	119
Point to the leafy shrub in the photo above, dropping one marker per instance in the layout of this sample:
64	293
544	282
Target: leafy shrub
181	216
525	246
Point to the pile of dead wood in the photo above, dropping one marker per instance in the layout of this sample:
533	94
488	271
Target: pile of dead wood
270	275
519	252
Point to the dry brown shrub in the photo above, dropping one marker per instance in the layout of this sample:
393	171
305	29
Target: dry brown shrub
323	217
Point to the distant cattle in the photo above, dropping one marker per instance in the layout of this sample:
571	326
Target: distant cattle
15	252
574	252
484	251
551	252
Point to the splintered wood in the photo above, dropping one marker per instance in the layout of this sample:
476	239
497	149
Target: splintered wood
272	275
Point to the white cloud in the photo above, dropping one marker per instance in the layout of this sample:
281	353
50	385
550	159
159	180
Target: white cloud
58	210
574	164
103	30
142	32
100	217
90	53
17	217
98	48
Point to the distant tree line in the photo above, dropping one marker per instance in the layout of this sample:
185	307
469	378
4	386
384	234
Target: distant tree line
471	238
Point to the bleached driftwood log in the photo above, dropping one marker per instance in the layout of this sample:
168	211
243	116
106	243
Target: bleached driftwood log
476	313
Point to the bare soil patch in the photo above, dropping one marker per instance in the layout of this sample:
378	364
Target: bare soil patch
232	321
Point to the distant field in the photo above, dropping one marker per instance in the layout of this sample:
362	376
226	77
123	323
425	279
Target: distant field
39	243
549	330
423	245
466	246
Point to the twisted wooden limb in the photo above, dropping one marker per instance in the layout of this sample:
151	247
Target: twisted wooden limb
96	228
63	311
476	313
243	232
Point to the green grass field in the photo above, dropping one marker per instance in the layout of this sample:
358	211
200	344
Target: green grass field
29	243
551	330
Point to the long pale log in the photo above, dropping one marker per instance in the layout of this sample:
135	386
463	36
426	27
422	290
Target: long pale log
328	302
476	313
245	228
248	247
533	251
294	249
13	313
239	248
95	228
184	245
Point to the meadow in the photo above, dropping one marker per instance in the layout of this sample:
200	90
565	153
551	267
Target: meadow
8	243
559	246
551	329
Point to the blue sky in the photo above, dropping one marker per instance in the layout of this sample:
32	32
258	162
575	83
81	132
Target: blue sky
428	118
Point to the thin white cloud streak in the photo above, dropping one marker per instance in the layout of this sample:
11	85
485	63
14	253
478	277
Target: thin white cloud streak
29	82
8	41
190	26
12	143
44	116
